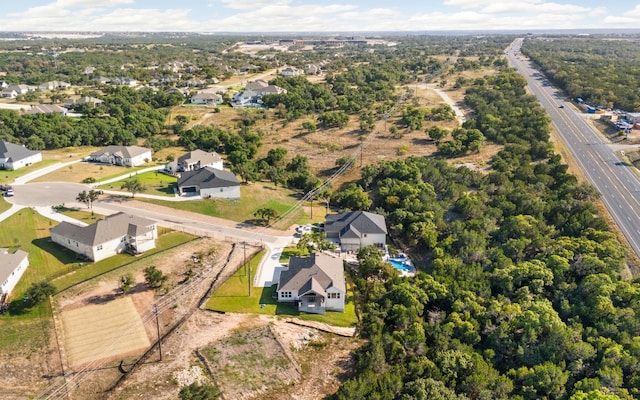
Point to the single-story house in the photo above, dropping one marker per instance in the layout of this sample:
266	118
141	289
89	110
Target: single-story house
83	100
209	182
12	91
12	266
195	160
206	98
115	234
124	81
51	85
356	229
316	283
47	109
291	71
13	156
130	156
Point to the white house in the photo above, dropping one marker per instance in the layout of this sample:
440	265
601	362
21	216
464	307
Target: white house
130	156
51	85
9	93
195	160
316	283
356	229
206	98
115	234
83	100
13	156
209	182
46	109
291	71
12	266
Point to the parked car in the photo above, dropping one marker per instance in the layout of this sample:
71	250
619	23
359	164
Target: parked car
8	192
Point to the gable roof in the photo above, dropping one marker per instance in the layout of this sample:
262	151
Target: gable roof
202	156
355	224
46	108
9	261
122	151
13	152
112	227
257	84
207	178
315	273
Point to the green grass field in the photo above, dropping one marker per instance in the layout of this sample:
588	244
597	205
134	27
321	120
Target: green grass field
154	182
233	296
7	176
252	197
4	206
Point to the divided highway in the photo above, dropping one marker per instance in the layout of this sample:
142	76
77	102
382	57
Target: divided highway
617	182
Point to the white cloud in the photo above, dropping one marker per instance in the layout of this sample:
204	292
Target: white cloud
635	12
253	4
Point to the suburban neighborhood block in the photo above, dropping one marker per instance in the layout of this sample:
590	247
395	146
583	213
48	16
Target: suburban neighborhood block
113	235
13	156
315	282
130	156
356	229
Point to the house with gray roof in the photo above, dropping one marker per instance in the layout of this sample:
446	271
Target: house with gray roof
47	109
129	156
83	100
115	234
13	156
12	266
209	182
315	283
206	98
356	229
194	160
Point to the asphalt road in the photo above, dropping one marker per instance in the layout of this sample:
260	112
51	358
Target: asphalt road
616	181
46	193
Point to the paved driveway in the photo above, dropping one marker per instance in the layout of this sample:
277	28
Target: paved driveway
46	193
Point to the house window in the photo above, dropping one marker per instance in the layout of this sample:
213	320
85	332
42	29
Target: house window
334	295
285	295
122	240
99	247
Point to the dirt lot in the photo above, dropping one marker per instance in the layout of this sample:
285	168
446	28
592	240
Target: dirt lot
317	361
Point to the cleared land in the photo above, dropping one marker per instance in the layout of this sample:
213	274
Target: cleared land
100	331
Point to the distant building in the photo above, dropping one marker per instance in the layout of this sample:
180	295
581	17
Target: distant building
115	234
315	283
291	71
129	156
209	182
195	160
356	229
83	100
206	98
13	156
52	85
12	266
47	109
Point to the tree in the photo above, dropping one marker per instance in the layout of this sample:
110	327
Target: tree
126	281
39	292
196	391
266	214
310	126
133	186
88	197
154	277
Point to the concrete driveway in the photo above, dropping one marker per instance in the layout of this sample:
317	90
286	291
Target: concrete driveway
46	193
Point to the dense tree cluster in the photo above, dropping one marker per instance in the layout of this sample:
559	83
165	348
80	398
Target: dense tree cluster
126	115
521	296
597	69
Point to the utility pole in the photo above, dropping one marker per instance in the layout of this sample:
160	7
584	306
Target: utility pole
362	149
156	313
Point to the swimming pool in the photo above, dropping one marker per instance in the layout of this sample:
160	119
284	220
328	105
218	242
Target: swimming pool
401	265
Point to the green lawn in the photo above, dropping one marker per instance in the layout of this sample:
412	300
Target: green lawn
233	296
4	206
29	231
84	214
155	183
291	251
7	176
253	196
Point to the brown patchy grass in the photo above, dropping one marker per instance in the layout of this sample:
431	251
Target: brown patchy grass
78	172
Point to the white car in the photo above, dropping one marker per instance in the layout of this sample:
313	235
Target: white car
303	229
9	193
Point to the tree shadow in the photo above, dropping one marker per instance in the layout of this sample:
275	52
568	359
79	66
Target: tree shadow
117	293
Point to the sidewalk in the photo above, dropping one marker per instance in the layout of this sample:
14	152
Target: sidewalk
42	171
51	213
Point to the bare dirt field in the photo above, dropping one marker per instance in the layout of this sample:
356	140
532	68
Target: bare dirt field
95	331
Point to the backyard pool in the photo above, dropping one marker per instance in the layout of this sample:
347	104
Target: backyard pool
401	265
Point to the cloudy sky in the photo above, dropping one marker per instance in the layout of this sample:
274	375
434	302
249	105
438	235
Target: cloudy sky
315	15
